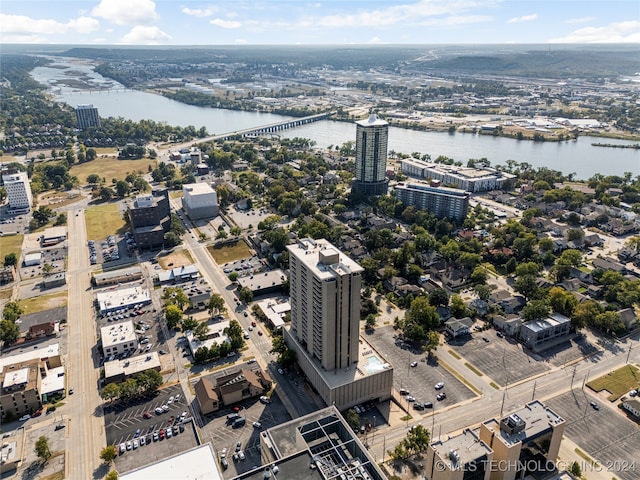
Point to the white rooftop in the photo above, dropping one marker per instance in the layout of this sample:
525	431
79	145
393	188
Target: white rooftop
118	333
197	189
17	377
372	121
131	366
54	381
198	463
323	259
215	336
47	351
123	298
275	312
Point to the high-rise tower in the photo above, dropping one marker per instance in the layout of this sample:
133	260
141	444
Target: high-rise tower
325	302
372	136
87	116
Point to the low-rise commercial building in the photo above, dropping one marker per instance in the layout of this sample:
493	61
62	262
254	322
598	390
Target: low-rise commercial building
215	336
540	334
32	259
466	178
632	406
11	451
122	299
118	338
214	391
462	457
184	273
113	277
122	369
196	463
264	283
525	442
53	236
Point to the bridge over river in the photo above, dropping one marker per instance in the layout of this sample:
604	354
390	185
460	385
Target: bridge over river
272	128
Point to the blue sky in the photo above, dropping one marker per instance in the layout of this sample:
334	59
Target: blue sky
175	22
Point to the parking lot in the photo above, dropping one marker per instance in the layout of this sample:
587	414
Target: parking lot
501	359
123	419
244	218
574	348
421	379
604	434
53	256
244	266
223	435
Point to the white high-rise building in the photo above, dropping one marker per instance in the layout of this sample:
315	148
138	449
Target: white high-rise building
325	301
372	136
18	190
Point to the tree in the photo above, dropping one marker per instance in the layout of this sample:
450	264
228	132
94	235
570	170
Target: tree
585	312
527	286
575	470
91	154
419	319
189	324
233	276
245	295
122	188
439	298
9	332
171	239
106	194
93	179
353	419
11	311
42	214
201	330
483	291
47	268
527	268
216	305
175	296
432	342
479	275
10	259
108	453
562	301
173	314
112	475
110	392
42	449
535	310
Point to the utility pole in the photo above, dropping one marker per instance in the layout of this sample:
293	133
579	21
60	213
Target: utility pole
573	376
585	379
504	394
533	395
628	353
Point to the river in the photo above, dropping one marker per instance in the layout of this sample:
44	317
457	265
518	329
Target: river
578	157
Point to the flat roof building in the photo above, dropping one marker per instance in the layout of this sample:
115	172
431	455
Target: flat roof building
264	283
122	369
325	326
53	236
121	275
524	442
199	201
465	178
198	463
274	312
87	116
462	457
18	190
318	446
215	336
150	218
31	259
118	338
122	299
441	201
178	274
541	334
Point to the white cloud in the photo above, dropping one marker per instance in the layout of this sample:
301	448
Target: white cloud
200	12
619	32
145	36
374	41
218	22
126	12
524	18
21	25
241	41
579	20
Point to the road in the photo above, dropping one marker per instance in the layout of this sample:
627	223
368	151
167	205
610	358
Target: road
493	402
86	426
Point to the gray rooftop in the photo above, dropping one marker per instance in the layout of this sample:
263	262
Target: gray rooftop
461	449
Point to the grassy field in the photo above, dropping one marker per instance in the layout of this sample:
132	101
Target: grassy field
175	193
104	220
229	252
11	244
110	167
177	259
57	199
618	382
43	302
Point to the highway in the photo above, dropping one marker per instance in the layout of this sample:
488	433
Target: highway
86	435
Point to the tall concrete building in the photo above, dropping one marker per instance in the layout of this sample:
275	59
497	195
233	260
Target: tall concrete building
87	116
150	218
372	136
441	201
325	325
18	190
199	201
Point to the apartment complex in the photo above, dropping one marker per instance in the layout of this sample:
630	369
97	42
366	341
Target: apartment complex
464	178
18	190
199	201
372	136
87	116
150	218
325	324
441	201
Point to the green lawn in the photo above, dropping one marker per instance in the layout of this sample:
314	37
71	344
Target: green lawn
43	302
229	252
11	244
110	167
104	220
618	382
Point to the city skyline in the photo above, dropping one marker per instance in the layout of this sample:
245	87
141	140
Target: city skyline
148	22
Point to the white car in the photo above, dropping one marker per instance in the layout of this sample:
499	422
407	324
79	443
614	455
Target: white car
165	408
257	425
439	385
24	418
135	443
123	447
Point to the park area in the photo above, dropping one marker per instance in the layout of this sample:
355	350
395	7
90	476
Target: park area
103	220
109	167
618	382
230	252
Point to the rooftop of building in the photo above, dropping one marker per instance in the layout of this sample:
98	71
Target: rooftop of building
370	362
537	419
121	272
215	336
55	232
468	172
320	445
118	333
275	312
11	450
323	258
19	376
372	121
260	281
46	351
199	463
426	187
553	320
54	381
121	298
461	449
132	365
197	189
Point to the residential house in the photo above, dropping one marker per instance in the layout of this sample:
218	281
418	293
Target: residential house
595	291
509	324
628	317
42	330
458	327
571	284
480	306
513	304
608	263
207	396
393	283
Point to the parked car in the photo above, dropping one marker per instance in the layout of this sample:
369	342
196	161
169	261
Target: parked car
241	455
147	415
414	364
439	385
441	396
257	425
60	426
24	418
595	406
265	399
